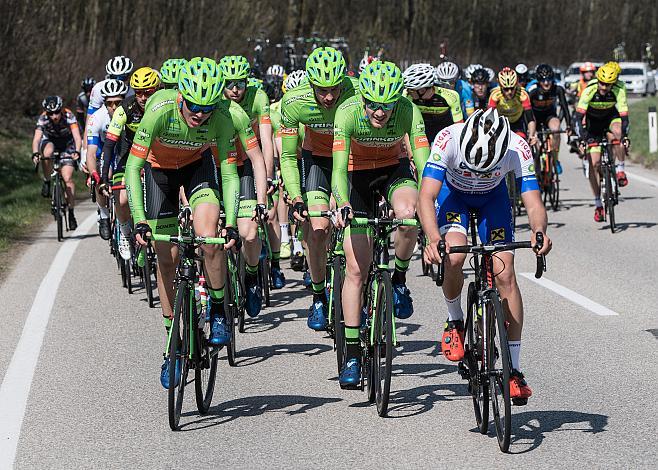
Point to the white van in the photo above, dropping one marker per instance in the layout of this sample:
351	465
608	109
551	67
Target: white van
638	77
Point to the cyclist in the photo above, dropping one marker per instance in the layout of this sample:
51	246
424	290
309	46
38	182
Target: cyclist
314	104
253	174
605	110
439	106
446	75
513	102
117	68
523	74
169	72
481	90
82	100
545	94
57	131
586	75
121	132
178	139
113	92
368	135
276	70
466	170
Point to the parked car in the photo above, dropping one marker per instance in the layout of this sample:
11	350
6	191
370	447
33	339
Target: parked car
638	77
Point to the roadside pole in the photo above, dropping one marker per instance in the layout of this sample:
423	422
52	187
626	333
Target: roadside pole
653	130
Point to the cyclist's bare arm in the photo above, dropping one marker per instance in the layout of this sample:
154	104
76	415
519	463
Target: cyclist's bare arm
537	217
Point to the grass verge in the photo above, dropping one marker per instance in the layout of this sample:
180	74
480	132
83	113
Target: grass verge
639	131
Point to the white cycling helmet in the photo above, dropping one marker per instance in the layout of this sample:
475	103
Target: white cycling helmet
119	65
276	70
419	76
492	74
446	72
470	69
484	140
294	79
521	69
111	88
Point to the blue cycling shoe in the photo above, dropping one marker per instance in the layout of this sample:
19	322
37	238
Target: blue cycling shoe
558	167
306	280
220	332
402	304
278	279
164	374
350	376
254	300
317	318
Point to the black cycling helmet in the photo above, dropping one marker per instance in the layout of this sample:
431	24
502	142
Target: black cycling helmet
87	84
52	104
544	72
480	76
272	87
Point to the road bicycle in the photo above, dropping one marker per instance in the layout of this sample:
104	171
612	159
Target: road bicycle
607	179
58	204
546	170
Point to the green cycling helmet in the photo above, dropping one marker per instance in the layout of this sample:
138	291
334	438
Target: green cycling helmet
200	81
255	82
235	67
325	67
169	70
381	82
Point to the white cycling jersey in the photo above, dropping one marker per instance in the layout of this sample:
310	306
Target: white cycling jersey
97	127
447	164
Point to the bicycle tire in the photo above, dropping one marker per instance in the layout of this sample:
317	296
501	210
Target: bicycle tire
57	204
129	281
479	389
338	321
178	351
383	343
124	277
499	355
368	349
205	370
555	187
609	197
148	286
230	309
264	271
241	292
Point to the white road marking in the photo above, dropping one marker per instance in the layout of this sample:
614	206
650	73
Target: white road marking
642	179
15	388
568	294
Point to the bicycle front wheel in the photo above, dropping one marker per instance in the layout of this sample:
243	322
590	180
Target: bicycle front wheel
178	354
240	294
609	201
206	362
265	280
383	344
555	187
58	209
498	368
148	285
478	388
232	316
338	321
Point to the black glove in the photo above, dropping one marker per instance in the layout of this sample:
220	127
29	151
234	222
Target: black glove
141	229
232	234
299	208
261	212
345	212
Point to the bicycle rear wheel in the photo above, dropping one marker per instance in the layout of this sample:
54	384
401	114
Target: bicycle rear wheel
231	309
264	271
58	209
478	388
239	299
383	347
498	368
338	321
178	352
555	186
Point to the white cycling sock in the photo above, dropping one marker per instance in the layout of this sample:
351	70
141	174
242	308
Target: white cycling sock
125	229
620	166
104	212
597	202
285	235
515	352
297	246
455	311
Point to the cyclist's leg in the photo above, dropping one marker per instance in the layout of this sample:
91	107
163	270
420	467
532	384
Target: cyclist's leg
554	125
618	151
67	169
402	193
47	148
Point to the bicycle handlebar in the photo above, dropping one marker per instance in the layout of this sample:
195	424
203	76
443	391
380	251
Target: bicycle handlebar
185	240
483	249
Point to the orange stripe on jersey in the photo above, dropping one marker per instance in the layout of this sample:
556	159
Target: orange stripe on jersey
289	131
421	141
252	142
265	120
338	145
112	137
624	114
139	151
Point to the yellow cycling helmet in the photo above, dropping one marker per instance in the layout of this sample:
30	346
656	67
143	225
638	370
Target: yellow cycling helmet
507	78
607	74
614	65
144	78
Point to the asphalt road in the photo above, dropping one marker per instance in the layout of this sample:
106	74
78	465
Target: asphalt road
80	361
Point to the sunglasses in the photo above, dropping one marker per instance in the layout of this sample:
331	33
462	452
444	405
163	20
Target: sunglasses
113	103
197	108
376	106
53	113
147	92
508	89
239	84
